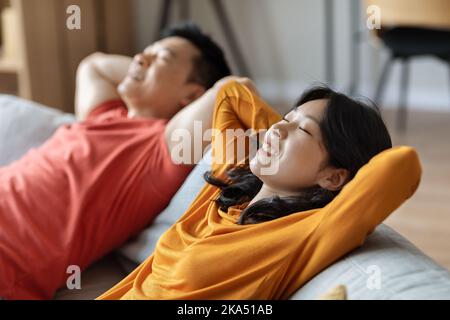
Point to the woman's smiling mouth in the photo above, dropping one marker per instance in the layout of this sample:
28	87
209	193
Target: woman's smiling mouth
267	149
271	145
270	149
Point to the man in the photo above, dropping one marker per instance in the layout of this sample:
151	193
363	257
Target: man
95	183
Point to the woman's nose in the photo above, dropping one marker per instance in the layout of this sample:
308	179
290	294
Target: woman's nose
279	130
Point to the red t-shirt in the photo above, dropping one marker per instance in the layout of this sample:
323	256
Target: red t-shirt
84	192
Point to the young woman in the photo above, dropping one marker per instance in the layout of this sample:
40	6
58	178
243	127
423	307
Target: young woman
250	235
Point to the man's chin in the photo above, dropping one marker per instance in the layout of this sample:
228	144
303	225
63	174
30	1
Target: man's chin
128	88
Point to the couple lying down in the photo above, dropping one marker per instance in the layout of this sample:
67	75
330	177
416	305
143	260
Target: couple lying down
248	234
253	236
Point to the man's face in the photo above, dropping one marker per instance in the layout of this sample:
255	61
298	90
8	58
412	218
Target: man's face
157	81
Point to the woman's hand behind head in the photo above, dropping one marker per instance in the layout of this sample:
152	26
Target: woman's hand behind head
242	80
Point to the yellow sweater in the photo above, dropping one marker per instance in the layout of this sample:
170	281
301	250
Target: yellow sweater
206	255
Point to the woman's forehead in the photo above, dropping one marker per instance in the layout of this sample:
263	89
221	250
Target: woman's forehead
314	109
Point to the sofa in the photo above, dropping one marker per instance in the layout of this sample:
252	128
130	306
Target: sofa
386	266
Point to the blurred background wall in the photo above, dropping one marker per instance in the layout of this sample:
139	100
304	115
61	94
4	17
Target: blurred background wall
284	44
287	45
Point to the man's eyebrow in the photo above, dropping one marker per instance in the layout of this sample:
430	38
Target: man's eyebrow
172	52
155	45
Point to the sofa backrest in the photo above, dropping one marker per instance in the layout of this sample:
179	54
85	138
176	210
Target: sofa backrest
25	125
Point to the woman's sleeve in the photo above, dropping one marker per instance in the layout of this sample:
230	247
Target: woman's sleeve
379	188
236	110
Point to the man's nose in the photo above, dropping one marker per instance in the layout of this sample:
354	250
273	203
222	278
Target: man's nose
141	60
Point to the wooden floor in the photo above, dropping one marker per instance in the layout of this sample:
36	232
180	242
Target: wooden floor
425	218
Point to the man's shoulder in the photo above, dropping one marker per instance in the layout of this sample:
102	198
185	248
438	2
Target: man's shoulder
115	108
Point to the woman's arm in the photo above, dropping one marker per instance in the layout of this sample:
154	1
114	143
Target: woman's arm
237	109
378	189
198	115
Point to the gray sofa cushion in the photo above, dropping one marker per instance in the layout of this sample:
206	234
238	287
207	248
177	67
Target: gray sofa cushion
25	125
141	247
387	266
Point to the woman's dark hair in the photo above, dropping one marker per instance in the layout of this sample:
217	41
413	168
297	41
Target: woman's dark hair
353	132
211	66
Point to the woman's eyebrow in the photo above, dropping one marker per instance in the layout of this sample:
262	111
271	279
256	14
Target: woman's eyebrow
318	123
308	116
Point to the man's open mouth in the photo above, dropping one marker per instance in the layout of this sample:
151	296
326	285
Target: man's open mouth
136	73
137	77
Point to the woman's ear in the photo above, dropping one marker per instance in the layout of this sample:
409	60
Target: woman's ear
334	179
193	92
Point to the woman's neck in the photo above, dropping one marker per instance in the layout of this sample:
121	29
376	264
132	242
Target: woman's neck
268	192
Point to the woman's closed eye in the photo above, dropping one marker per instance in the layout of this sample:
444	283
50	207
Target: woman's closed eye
306	131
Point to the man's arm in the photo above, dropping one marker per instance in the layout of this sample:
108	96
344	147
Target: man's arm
201	110
98	76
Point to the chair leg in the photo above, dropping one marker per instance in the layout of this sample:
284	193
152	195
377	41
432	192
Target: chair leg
355	54
355	63
234	47
402	111
184	10
449	73
164	17
382	81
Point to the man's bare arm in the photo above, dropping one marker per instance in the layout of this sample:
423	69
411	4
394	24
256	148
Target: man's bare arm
98	76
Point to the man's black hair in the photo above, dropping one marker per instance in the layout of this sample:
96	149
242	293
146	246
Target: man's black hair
211	66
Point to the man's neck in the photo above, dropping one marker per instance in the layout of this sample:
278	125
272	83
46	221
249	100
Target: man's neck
134	113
